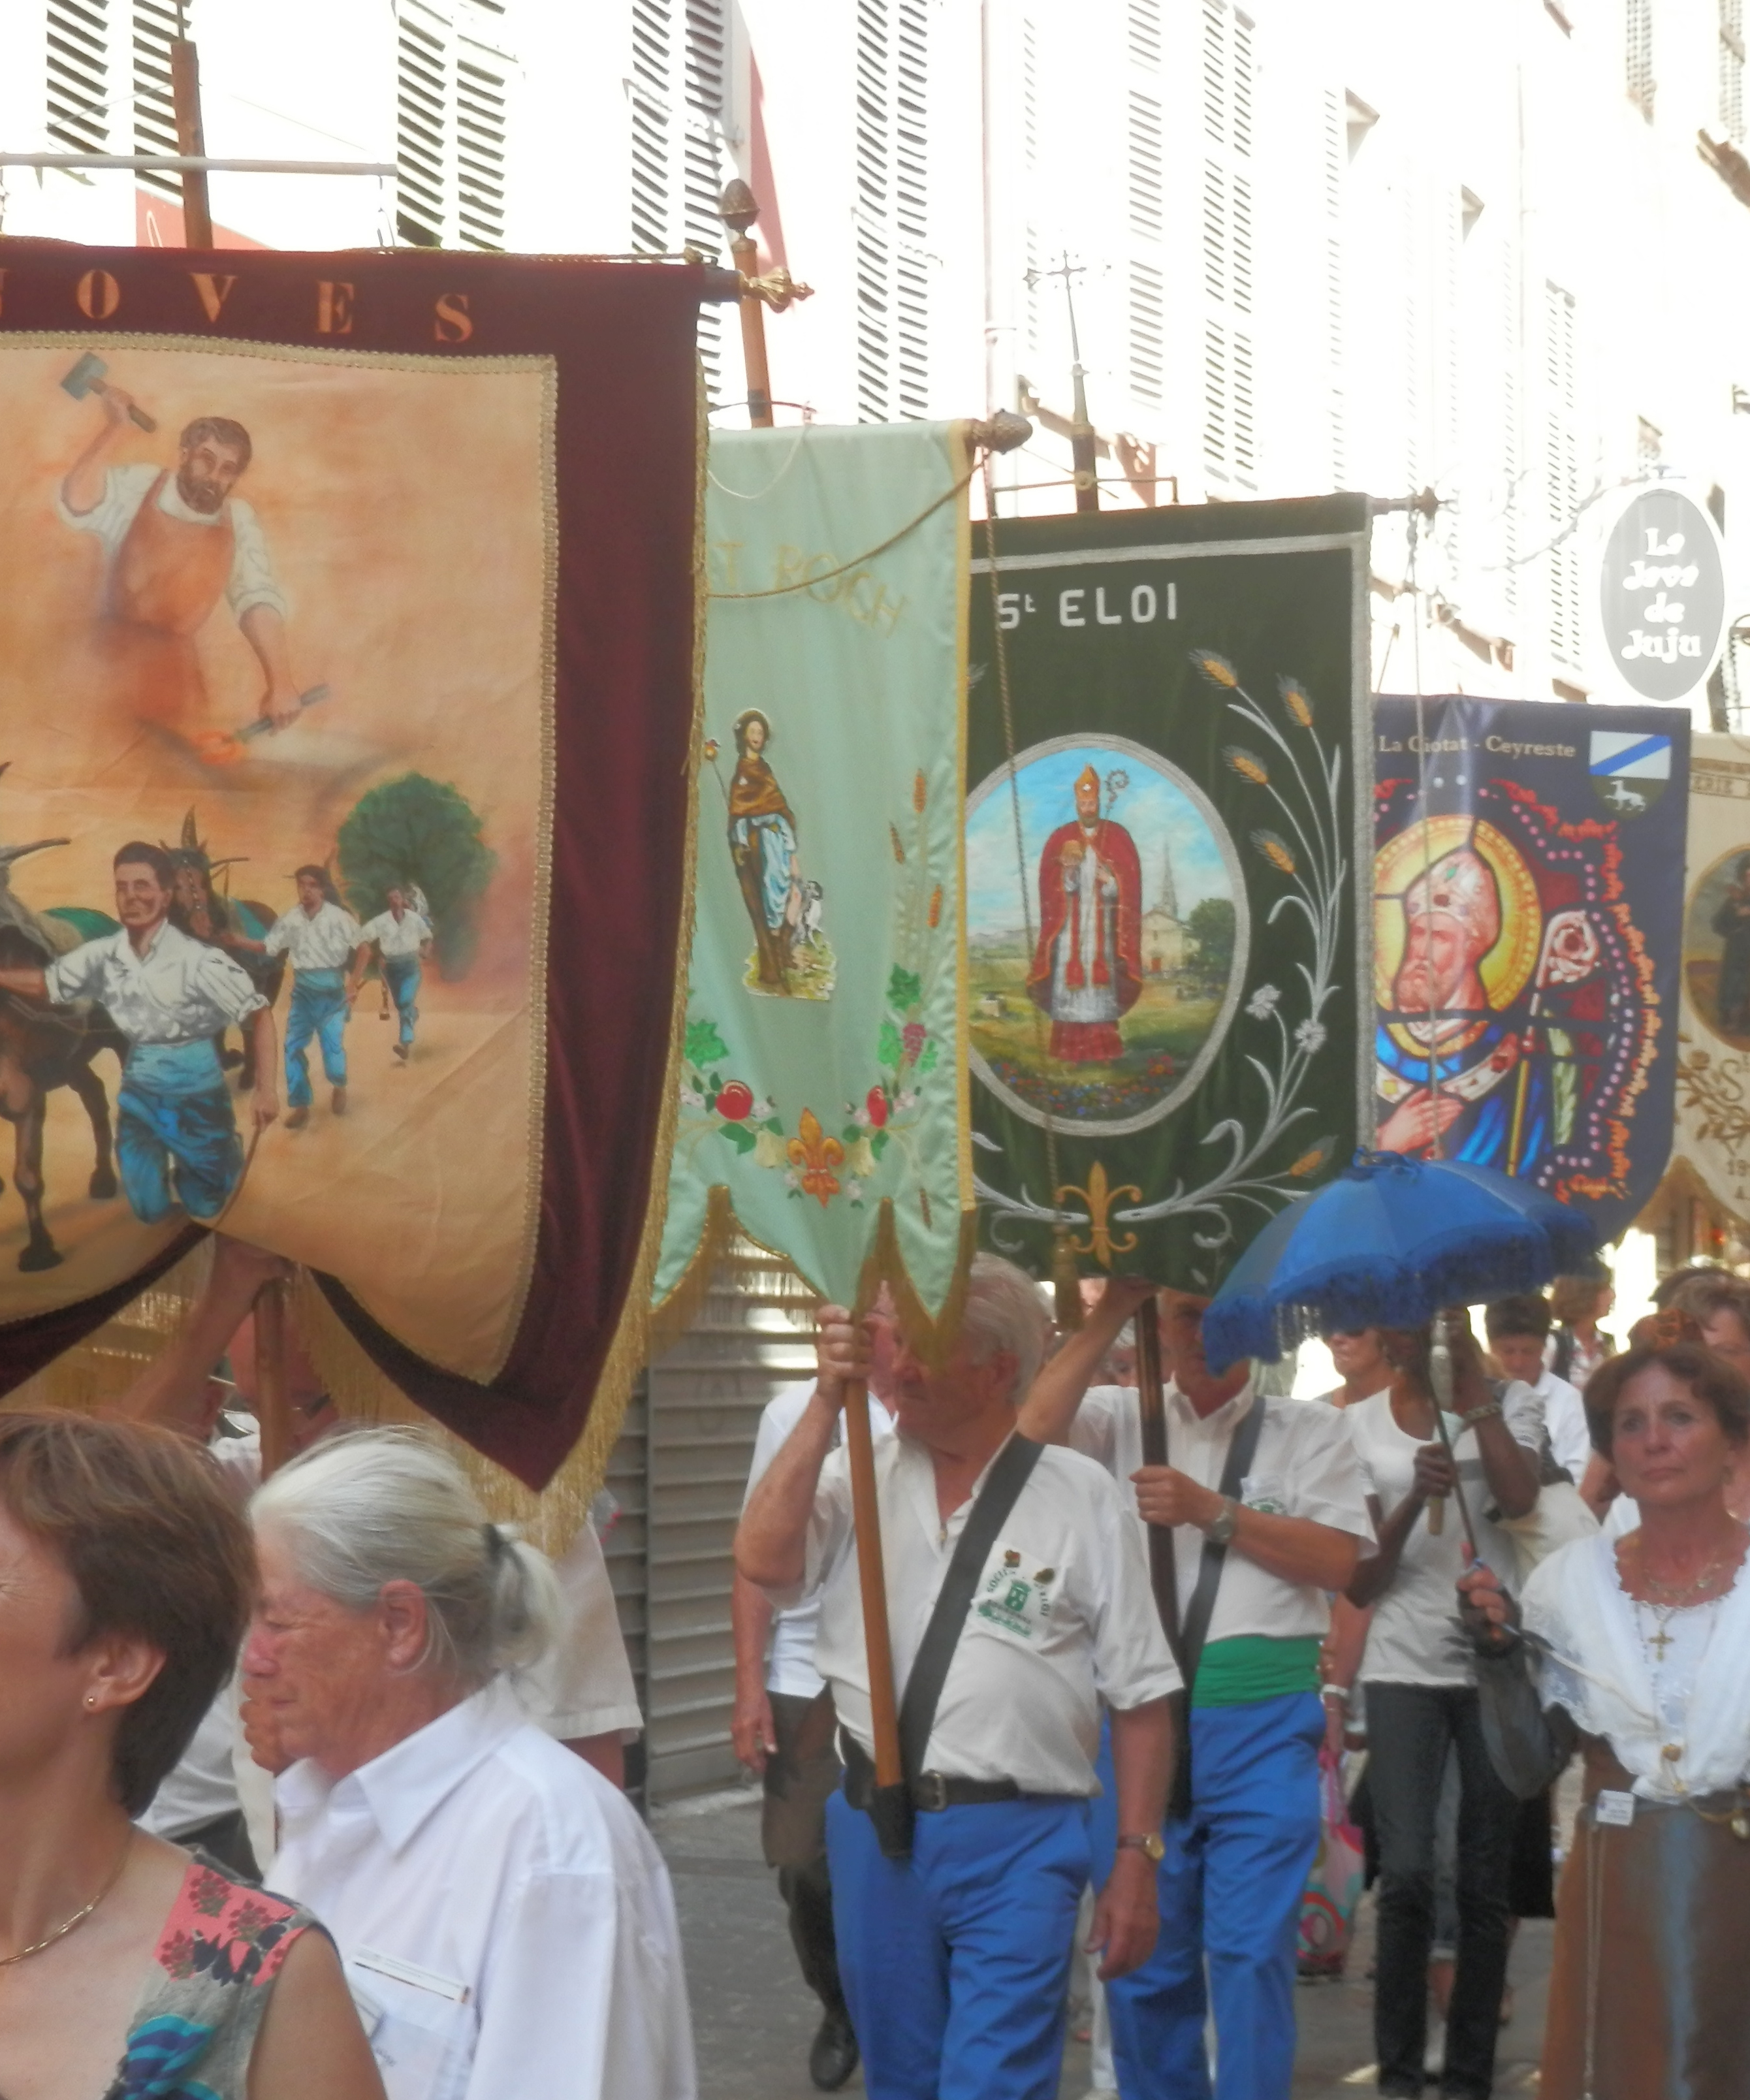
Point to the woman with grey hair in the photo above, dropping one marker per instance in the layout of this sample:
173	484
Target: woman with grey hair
505	1919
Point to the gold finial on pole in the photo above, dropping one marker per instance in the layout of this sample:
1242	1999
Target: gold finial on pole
738	208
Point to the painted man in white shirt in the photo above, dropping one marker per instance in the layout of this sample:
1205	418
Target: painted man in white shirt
170	995
784	1729
175	541
1236	1864
322	938
955	1961
402	937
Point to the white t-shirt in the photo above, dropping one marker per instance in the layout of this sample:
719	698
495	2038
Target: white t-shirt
1062	1615
789	1665
583	1685
1304	1466
505	1919
1416	1636
1565	1425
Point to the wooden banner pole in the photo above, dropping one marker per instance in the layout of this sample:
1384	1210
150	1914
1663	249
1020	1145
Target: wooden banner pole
738	208
273	1409
191	138
1151	1394
883	1707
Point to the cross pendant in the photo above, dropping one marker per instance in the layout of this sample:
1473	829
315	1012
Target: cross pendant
1661	1640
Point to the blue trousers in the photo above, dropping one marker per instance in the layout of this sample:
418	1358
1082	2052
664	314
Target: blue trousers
318	1008
956	1962
402	973
176	1134
1230	1886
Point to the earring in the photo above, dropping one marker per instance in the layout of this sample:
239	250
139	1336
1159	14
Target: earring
90	1699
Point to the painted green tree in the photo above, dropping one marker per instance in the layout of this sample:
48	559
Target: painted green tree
1212	926
424	831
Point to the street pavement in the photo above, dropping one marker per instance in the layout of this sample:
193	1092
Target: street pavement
752	2019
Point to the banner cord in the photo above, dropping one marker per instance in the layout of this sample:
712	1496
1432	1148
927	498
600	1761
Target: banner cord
856	561
1435	1015
1063	1254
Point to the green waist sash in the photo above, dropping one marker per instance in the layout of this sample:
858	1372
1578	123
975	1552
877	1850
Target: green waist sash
1253	1666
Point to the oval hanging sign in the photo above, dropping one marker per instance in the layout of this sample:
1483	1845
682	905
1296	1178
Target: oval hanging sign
1662	602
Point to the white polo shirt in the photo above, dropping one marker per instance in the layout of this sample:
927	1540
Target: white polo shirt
583	1685
790	1667
1304	1466
505	1919
1062	1618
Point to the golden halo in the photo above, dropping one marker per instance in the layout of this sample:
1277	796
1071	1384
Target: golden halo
1399	864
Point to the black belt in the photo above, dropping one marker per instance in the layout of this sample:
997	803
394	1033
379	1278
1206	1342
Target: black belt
930	1791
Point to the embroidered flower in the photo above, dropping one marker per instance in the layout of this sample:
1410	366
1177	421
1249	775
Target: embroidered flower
693	1098
1263	1002
1309	1035
250	1922
176	1956
208	1893
854	1188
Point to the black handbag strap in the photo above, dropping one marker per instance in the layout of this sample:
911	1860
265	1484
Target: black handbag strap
1008	1475
1201	1609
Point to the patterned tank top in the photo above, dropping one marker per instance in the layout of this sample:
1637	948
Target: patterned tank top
194	2028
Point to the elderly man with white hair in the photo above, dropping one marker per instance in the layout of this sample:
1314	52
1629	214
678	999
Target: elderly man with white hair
1015	1589
504	1920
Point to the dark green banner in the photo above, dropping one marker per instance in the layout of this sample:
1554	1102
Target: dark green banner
1168	972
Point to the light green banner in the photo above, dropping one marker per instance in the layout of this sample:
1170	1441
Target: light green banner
822	1093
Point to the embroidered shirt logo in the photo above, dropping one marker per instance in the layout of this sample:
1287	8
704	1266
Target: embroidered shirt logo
1012	1600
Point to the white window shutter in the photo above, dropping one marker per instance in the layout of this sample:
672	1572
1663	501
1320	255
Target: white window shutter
893	263
1230	447
454	95
154	30
1561	471
1335	285
78	115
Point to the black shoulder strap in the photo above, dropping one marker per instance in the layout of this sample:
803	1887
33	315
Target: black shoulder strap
1004	1483
1201	1609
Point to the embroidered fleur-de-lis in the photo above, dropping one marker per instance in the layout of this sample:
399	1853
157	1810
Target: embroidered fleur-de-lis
814	1155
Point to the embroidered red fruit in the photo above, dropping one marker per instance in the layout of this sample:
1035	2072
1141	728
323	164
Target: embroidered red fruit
735	1103
876	1105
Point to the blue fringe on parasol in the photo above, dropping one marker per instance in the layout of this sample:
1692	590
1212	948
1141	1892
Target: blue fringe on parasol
1386	1245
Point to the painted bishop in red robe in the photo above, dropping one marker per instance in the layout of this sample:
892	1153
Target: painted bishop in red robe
1087	967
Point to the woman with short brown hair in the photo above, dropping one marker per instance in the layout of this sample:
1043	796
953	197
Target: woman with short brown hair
1638	1649
125	1583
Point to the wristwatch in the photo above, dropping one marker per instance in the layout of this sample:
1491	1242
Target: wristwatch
1221	1529
1148	1842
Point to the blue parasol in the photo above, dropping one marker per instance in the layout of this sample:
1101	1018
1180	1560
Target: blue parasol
1386	1244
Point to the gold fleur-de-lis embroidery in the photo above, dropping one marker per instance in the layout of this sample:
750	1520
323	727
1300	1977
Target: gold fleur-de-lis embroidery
1099	1199
814	1155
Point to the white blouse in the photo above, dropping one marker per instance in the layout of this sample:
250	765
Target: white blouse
1606	1669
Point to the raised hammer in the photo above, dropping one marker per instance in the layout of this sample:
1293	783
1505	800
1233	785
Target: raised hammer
87	377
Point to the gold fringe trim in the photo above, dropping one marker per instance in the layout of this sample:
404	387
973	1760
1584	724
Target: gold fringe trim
363	1394
671	1319
91	1376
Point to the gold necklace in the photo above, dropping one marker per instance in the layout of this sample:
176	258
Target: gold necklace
79	1916
1679	1593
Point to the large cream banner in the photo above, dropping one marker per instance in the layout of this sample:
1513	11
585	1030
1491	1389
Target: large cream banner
1713	1037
